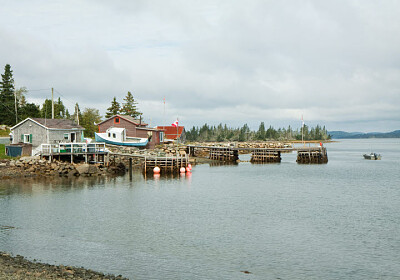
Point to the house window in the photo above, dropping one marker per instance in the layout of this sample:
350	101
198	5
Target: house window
116	120
66	136
27	138
161	136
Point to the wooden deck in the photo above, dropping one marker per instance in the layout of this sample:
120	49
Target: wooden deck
89	152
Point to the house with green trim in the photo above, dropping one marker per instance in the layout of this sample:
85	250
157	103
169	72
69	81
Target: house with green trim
37	131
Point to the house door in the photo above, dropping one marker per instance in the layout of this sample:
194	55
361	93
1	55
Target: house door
73	137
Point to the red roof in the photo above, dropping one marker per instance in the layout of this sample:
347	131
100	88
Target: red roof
171	132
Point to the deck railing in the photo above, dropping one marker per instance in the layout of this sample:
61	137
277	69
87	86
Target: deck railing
72	148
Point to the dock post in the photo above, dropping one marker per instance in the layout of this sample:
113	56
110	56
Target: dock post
130	167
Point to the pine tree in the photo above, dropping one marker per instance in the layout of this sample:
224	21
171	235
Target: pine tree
114	109
261	132
29	110
129	108
59	109
7	99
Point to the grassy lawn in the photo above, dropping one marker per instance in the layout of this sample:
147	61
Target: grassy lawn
3	152
5	133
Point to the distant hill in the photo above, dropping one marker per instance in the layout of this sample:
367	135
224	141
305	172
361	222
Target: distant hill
360	135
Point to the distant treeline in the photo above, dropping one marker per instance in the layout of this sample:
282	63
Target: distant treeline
223	133
360	135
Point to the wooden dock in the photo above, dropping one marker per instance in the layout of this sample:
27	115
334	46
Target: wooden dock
265	156
312	155
305	155
167	165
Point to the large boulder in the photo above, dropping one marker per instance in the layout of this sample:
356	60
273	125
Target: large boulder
82	168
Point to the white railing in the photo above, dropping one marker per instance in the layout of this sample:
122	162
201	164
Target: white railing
72	148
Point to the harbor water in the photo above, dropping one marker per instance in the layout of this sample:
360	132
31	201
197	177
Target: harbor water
339	220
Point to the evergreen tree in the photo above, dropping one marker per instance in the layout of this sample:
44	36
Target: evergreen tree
67	114
244	133
129	107
114	109
59	109
261	132
28	110
7	98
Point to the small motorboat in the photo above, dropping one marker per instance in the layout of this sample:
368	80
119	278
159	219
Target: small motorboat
373	156
117	136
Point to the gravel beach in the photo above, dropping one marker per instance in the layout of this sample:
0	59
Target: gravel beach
17	267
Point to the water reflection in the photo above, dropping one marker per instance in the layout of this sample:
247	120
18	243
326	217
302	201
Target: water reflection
34	186
223	163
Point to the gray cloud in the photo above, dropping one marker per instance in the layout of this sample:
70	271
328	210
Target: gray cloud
337	63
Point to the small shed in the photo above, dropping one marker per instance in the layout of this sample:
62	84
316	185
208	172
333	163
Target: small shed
16	150
173	133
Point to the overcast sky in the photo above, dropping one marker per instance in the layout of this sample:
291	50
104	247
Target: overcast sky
337	63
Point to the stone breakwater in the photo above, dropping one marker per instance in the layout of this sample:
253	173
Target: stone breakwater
35	167
19	268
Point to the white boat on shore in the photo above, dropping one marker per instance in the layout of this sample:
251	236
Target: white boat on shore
372	156
117	136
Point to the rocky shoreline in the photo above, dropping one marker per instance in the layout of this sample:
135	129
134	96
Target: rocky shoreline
17	267
27	167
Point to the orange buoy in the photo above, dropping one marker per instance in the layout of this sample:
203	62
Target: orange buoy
189	166
182	170
188	169
156	170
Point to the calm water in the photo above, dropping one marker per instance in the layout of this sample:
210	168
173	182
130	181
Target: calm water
278	221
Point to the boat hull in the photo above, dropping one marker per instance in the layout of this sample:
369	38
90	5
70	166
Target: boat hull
372	156
142	143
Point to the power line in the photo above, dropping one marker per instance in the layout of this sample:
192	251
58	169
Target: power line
73	103
7	108
42	89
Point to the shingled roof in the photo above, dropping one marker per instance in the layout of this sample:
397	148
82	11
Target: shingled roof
128	118
54	123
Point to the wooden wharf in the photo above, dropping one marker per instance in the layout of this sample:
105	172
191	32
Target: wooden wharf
312	155
167	164
305	155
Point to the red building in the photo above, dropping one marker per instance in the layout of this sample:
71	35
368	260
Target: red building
172	133
134	128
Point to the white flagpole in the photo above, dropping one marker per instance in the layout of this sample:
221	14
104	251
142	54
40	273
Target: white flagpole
164	113
302	131
177	130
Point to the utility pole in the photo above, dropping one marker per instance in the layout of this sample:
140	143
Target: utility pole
15	101
77	113
52	103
